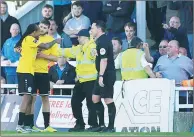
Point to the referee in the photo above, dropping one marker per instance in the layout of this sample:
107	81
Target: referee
104	86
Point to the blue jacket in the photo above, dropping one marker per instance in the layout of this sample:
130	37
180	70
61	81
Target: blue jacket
8	53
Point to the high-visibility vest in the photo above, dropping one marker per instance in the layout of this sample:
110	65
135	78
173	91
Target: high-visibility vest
131	65
85	63
188	83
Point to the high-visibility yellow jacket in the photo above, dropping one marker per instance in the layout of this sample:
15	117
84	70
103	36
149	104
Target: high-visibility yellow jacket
85	60
130	64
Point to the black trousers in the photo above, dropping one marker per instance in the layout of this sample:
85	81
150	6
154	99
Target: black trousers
61	11
80	92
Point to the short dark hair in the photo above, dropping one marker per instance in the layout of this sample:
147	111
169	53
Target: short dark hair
78	4
46	22
4	3
130	24
118	39
100	24
48	6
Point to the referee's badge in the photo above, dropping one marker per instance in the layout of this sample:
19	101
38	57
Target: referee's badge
102	51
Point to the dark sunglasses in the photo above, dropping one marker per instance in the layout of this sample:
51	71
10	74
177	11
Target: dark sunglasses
162	47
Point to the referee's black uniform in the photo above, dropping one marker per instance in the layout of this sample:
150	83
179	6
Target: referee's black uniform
105	50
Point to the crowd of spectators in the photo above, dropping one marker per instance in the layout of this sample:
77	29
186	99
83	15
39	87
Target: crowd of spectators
170	24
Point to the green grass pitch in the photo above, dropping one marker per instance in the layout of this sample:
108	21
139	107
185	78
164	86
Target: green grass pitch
7	133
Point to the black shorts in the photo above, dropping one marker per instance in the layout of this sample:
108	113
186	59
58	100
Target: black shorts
25	83
107	91
41	84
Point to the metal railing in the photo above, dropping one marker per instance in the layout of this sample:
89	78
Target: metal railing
177	89
177	97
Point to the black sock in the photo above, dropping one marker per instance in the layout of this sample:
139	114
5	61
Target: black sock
27	120
111	114
46	116
100	112
21	118
31	117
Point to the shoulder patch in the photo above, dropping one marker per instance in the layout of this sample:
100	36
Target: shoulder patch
102	51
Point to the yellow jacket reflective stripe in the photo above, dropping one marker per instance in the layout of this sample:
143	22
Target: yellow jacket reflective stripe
85	62
131	65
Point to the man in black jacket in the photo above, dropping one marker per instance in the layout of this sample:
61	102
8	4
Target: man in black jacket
6	22
118	14
62	73
174	31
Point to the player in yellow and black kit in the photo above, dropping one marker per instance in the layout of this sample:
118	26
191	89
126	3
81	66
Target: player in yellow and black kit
29	44
41	77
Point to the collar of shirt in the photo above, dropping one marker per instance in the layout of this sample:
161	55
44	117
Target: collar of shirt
16	37
78	17
59	71
179	55
173	58
4	17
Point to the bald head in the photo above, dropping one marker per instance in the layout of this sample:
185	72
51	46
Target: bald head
175	22
14	30
175	43
173	48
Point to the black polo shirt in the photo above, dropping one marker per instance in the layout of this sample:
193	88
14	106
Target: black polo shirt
104	50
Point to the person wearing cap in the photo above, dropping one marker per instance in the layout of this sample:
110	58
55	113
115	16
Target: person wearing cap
85	55
132	62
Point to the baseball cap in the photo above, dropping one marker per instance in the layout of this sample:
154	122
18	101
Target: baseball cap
84	32
135	41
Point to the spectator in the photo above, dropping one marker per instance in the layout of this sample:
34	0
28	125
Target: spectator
184	10
162	51
6	22
66	43
117	45
132	62
62	9
173	65
155	16
130	30
62	73
118	14
53	29
175	32
77	23
9	54
47	13
182	51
